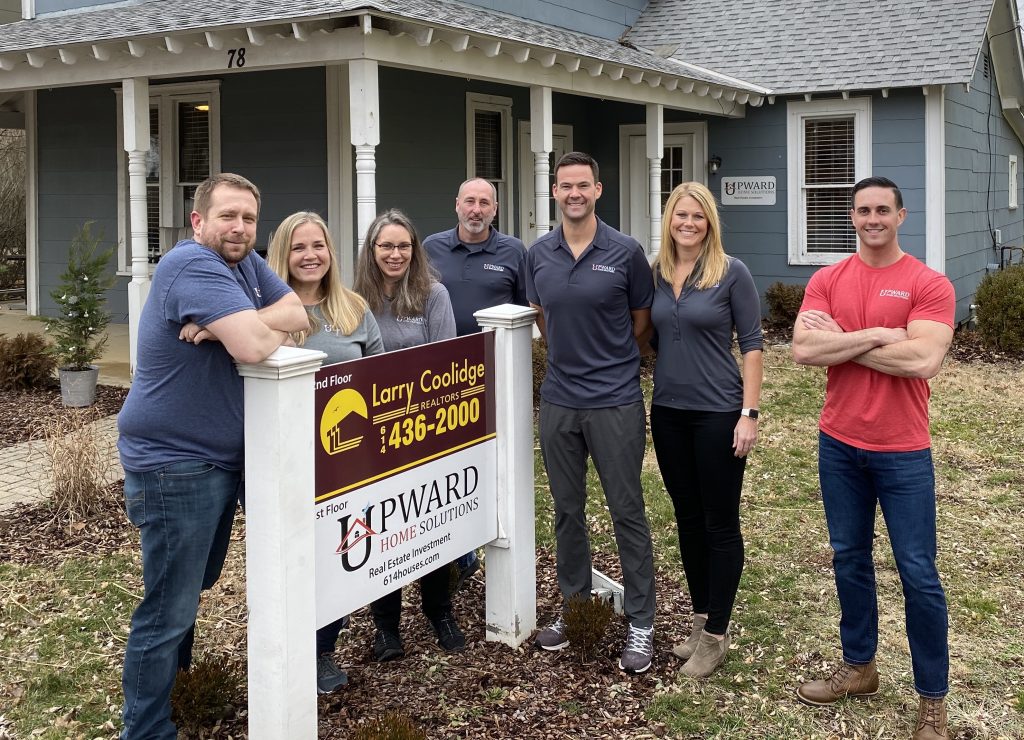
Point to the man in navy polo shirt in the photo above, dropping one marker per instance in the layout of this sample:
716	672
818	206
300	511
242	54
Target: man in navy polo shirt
480	267
593	289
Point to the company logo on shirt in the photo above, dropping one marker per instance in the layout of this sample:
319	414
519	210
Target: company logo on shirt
602	268
496	268
890	293
411	319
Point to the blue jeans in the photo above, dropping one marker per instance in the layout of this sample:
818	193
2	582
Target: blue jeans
903	484
184	513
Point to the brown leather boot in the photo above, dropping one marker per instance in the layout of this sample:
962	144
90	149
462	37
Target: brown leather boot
931	720
846	680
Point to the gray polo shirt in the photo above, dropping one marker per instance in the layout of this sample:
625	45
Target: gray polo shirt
696	370
593	360
478	275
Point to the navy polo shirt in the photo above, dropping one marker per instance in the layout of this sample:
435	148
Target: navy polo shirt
489	273
593	359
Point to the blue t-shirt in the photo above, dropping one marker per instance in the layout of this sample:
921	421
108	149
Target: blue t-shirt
185	402
593	359
478	276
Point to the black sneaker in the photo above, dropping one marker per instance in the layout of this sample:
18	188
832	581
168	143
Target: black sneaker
387	645
328	676
465	573
449	636
636	656
552	637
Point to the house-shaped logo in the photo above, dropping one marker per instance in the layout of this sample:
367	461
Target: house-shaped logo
357	532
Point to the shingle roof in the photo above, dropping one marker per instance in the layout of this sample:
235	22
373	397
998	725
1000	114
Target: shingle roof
123	21
796	46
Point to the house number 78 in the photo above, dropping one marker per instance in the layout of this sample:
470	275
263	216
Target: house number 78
236	57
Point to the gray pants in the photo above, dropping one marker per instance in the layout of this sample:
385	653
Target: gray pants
616	439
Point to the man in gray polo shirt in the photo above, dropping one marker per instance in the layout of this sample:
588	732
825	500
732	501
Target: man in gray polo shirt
593	289
480	267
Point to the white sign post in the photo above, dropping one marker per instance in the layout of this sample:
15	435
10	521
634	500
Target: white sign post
279	544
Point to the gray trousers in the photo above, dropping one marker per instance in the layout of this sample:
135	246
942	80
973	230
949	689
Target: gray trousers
615	439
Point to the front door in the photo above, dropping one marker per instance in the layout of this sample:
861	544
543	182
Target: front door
676	167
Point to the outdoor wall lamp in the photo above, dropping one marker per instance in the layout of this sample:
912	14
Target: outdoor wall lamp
714	163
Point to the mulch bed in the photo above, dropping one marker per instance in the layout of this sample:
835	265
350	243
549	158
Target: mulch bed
25	412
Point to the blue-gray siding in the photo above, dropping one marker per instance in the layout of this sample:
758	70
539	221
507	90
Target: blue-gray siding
77	170
605	18
52	6
978	144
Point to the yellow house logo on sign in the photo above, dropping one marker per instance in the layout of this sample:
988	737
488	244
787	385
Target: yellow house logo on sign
342	404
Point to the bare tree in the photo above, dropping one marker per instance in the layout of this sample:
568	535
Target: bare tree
12	209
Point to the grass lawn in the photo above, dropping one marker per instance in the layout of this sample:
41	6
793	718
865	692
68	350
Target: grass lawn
63	623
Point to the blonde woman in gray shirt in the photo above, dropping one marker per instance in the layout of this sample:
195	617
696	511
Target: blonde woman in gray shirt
704	411
341	326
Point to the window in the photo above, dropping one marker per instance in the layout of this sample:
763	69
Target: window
829	151
184	149
1013	180
489	146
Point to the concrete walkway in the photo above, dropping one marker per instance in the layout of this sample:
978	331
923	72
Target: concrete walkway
24	468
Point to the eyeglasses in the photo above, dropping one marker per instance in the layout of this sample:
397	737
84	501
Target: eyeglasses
387	247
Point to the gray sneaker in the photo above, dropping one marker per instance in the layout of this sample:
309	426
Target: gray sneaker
553	636
636	656
328	676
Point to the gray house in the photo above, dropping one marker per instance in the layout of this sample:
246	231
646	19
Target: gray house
350	106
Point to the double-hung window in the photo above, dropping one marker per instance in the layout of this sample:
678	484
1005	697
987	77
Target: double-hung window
829	150
184	149
489	146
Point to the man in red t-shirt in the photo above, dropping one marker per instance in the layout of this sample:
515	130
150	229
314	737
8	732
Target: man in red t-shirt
881	321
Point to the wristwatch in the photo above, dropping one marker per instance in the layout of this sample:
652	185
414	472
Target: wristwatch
752	413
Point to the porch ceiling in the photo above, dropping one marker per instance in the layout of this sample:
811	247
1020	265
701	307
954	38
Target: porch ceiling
161	39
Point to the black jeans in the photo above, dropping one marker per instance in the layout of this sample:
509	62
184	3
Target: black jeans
704	480
387	610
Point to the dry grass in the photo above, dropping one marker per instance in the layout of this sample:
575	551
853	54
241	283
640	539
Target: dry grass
79	464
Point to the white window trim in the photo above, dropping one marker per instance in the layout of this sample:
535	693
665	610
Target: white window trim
1013	177
796	113
503	105
163	96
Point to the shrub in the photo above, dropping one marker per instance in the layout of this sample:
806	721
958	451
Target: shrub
25	362
540	368
391	726
79	455
203	696
586	621
783	304
78	332
1000	300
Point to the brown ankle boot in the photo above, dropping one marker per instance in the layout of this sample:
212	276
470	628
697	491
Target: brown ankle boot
931	720
846	680
685	649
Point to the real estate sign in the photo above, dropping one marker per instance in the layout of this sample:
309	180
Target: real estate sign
405	457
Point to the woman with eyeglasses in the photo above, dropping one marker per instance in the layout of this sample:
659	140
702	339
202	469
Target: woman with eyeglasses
340	325
411	307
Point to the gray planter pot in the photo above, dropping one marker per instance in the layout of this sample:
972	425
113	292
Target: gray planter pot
78	387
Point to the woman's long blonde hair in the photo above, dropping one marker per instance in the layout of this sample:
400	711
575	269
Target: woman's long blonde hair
712	262
412	291
342	308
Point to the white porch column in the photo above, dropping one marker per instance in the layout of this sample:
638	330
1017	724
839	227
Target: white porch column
135	104
339	172
364	114
655	150
541	146
279	560
511	583
935	177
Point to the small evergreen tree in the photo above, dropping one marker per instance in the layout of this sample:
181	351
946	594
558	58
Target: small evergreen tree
79	331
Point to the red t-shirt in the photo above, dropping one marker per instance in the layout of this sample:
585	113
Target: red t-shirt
866	408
